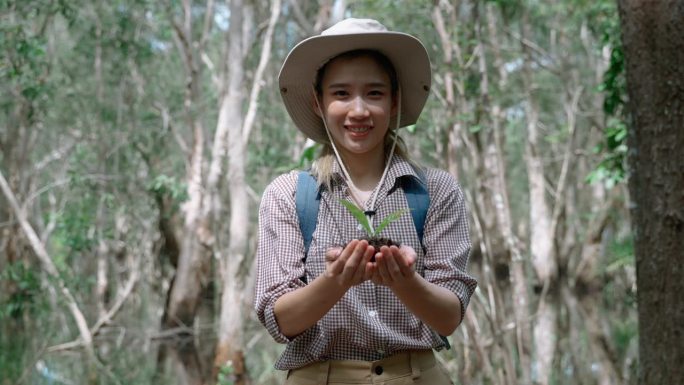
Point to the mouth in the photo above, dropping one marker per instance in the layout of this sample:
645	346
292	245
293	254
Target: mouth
358	129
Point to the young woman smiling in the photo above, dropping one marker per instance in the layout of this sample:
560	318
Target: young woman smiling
353	313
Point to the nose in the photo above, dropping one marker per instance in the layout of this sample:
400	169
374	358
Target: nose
358	108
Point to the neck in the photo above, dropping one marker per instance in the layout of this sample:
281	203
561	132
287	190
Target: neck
365	170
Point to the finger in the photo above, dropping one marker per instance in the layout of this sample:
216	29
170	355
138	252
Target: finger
361	269
408	254
393	262
338	265
376	277
406	258
400	260
355	259
375	269
333	253
369	272
383	264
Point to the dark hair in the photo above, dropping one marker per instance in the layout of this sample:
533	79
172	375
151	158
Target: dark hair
379	58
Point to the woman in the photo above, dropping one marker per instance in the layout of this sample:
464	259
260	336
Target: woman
354	313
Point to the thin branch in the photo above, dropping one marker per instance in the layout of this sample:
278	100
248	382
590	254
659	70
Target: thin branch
168	125
571	111
174	332
49	267
182	43
208	23
52	156
301	19
63	181
107	317
212	69
258	76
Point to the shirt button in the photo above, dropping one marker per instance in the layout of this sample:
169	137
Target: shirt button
378	370
373	313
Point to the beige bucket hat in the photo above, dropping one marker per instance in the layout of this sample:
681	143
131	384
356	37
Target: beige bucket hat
298	73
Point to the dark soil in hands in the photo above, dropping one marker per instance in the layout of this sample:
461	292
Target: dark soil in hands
377	243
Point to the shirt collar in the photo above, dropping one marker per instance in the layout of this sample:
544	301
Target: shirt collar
398	169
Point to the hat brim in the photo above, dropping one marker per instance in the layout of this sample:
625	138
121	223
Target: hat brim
298	73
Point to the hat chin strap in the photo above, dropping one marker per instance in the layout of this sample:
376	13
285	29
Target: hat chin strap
344	168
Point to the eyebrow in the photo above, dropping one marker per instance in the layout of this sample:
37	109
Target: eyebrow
371	84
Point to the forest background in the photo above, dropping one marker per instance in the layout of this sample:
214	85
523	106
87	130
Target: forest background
137	136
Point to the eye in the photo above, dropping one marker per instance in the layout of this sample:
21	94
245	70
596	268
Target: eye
376	93
340	93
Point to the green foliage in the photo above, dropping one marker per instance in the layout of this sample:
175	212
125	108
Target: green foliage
169	186
305	159
359	215
366	222
73	225
24	65
625	333
509	8
21	304
612	168
620	254
12	355
614	85
389	219
26	295
225	375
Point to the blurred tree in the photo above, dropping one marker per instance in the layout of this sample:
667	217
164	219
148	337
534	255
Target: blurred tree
653	41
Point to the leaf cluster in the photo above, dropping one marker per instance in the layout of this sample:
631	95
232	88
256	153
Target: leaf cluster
365	221
26	296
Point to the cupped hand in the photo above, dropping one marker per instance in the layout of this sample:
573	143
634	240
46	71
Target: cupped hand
393	265
349	266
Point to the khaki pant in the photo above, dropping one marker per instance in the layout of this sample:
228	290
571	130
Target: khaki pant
417	367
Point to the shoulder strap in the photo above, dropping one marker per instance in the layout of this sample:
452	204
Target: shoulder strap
418	201
307	201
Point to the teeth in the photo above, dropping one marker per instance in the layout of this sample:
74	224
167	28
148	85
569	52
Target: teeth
358	129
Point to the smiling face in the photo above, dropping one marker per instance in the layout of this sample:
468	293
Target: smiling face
357	99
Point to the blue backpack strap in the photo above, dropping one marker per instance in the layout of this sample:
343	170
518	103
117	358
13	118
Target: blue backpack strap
307	201
418	201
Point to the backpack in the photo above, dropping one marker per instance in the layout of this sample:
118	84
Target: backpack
308	199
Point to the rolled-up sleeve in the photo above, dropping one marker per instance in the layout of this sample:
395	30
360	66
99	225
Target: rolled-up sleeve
447	239
279	252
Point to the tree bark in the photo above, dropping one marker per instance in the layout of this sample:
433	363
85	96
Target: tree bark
541	238
192	276
653	40
229	348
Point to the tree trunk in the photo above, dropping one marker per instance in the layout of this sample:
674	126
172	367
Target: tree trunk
653	40
192	277
520	296
541	238
229	349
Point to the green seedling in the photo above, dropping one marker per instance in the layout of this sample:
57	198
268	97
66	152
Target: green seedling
365	221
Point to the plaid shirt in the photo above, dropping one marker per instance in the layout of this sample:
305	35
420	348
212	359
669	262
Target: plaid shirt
369	322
